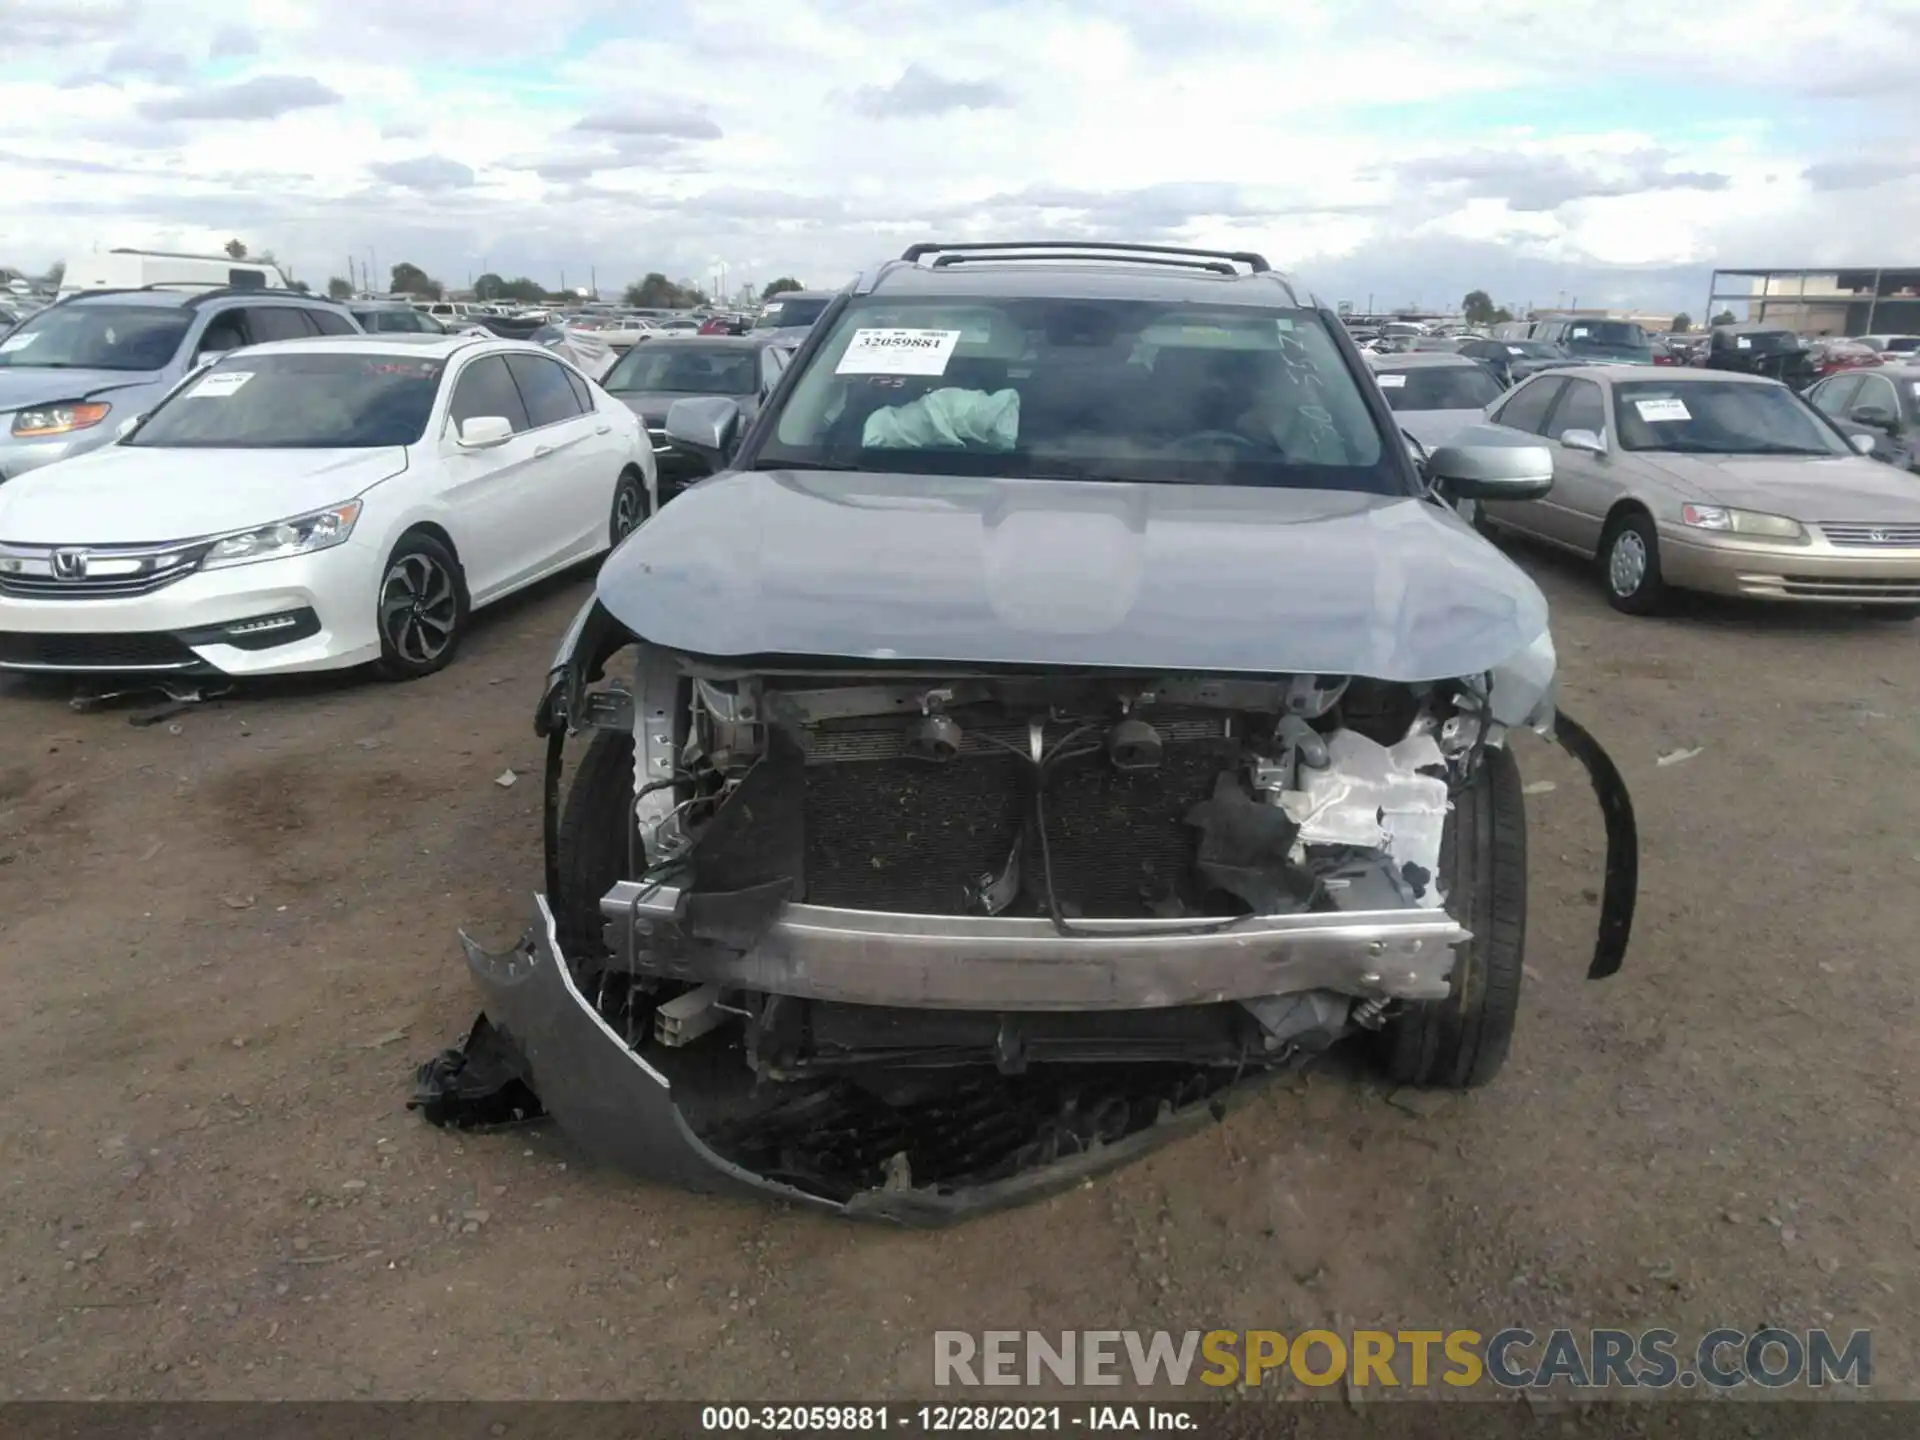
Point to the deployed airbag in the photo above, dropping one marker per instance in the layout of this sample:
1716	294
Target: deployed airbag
947	419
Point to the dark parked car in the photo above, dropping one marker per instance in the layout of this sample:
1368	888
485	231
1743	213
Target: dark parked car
1067	704
650	377
1768	350
1882	404
1513	360
793	311
1593	341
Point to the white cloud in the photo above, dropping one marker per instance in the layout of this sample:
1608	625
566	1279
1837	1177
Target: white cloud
1393	145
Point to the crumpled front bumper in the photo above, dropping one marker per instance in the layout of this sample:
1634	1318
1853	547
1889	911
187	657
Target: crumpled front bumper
621	1110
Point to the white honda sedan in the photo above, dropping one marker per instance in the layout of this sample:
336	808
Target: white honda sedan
318	504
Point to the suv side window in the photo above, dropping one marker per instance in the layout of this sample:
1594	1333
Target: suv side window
276	322
485	388
1527	410
1835	398
329	322
1877	390
543	385
1581	408
223	333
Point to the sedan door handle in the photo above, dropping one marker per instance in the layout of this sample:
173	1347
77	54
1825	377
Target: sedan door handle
602	429
540	450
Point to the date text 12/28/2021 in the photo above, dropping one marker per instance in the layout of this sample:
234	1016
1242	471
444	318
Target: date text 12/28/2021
948	1419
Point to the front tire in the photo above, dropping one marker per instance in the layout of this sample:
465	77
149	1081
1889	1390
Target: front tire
593	844
632	507
1630	565
1461	1041
422	609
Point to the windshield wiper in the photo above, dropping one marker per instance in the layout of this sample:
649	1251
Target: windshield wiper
1770	449
838	465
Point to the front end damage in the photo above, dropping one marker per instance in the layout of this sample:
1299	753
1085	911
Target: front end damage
910	944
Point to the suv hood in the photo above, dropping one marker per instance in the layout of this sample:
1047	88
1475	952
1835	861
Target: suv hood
1801	487
1065	572
21	387
126	495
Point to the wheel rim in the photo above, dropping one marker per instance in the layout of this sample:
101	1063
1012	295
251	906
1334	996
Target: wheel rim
419	608
1627	565
626	510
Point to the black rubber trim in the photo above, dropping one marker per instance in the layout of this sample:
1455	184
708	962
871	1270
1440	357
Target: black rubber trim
1622	887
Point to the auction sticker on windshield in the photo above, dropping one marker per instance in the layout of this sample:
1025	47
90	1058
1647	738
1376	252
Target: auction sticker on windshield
16	342
1655	411
1391	382
221	384
898	352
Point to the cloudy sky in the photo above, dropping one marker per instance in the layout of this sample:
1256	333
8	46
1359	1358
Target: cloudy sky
1410	150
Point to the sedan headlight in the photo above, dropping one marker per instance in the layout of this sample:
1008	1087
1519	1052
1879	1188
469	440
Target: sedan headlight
62	419
301	535
1741	522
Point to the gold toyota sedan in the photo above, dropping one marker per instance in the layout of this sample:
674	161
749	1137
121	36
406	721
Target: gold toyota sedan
1707	480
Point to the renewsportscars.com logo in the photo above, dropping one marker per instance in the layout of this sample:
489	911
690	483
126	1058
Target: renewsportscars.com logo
1722	1359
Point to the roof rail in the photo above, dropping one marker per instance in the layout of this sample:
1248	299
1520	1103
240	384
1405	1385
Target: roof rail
1080	250
1212	267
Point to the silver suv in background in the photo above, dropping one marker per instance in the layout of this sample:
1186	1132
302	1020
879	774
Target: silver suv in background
73	374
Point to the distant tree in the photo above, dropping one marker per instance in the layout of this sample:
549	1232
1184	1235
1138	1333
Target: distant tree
1725	317
237	249
656	292
1500	316
775	287
1477	307
409	279
1680	323
521	289
338	289
301	286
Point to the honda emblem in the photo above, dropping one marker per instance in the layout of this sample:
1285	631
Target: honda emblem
69	564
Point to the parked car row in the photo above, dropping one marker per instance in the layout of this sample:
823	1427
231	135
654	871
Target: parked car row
226	482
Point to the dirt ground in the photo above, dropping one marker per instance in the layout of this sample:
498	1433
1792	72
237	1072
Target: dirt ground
226	940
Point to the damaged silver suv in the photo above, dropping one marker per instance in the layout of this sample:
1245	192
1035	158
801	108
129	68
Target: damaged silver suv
1066	705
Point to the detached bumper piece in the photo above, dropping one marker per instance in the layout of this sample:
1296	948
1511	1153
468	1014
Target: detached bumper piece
909	1155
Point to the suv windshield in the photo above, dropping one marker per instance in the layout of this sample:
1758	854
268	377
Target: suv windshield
683	369
297	402
97	337
1439	387
1611	336
1091	389
1721	417
785	314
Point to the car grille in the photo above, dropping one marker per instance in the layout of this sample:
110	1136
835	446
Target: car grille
1828	587
94	572
26	650
1867	535
902	835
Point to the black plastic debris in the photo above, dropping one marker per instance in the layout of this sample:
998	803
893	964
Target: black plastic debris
481	1085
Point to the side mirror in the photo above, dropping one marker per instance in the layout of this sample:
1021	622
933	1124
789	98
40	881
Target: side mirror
483	432
706	426
1875	415
1862	444
1486	462
1584	440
